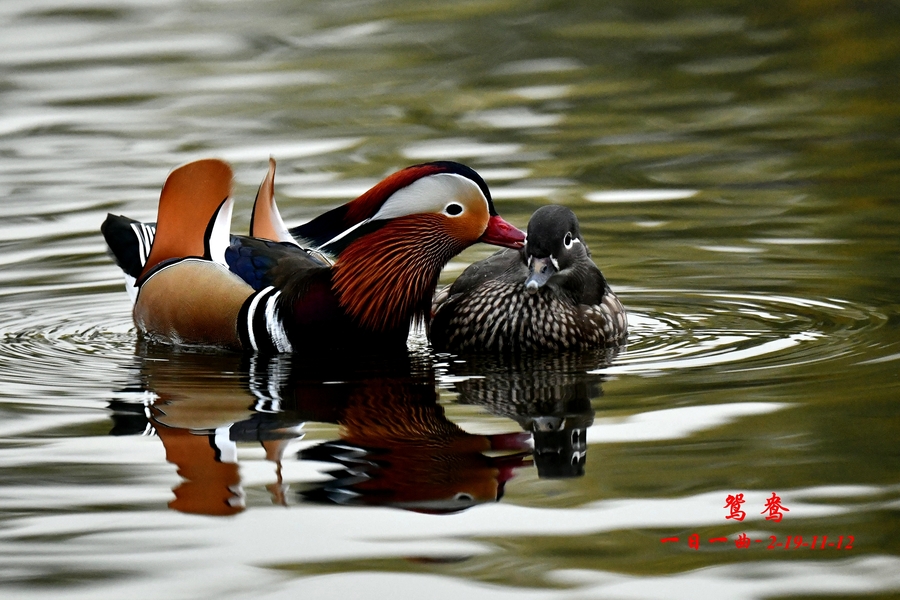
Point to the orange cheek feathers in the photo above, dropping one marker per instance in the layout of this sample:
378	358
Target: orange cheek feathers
384	278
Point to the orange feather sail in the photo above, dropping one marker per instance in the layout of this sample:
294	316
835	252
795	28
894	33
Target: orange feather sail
189	199
266	222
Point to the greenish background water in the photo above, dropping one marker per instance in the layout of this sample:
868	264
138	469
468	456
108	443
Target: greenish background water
735	169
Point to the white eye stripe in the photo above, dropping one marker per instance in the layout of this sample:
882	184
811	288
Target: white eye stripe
570	241
430	194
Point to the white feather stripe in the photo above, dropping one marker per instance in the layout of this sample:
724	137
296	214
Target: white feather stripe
346	232
251	311
277	334
143	250
220	236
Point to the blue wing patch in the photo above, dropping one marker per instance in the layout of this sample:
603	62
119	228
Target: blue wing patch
262	263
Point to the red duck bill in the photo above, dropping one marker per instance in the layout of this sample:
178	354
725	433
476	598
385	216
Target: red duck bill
501	233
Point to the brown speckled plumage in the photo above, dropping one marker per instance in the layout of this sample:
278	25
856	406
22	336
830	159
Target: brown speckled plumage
547	296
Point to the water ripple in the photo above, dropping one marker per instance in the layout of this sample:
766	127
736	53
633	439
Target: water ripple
689	329
64	346
683	330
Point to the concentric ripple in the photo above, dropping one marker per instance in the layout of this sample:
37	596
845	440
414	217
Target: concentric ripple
64	347
678	329
56	346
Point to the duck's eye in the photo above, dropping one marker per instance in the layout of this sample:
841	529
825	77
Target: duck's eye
453	209
567	241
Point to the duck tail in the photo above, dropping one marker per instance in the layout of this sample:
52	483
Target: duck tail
129	242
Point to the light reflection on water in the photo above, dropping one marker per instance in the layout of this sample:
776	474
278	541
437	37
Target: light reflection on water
734	171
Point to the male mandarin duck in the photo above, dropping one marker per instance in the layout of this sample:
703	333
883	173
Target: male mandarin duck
198	284
549	295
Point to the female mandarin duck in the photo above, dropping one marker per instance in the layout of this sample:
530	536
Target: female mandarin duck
200	285
547	296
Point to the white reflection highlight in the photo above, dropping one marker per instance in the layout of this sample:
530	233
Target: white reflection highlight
286	150
746	581
543	92
639	195
730	356
513	118
674	423
217	556
731	249
457	148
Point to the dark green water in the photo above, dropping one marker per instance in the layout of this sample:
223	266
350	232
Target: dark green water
735	169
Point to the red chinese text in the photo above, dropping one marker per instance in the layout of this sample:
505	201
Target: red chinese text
735	503
774	508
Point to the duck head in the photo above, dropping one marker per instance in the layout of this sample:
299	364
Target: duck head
554	246
391	243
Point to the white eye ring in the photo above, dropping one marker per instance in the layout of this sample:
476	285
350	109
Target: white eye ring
567	241
453	209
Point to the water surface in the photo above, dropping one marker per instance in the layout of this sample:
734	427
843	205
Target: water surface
735	171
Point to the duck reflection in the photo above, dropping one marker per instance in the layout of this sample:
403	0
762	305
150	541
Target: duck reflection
547	395
203	405
396	446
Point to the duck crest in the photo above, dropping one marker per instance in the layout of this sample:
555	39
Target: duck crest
385	280
367	205
330	227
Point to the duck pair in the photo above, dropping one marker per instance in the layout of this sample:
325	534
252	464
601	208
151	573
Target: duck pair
360	275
